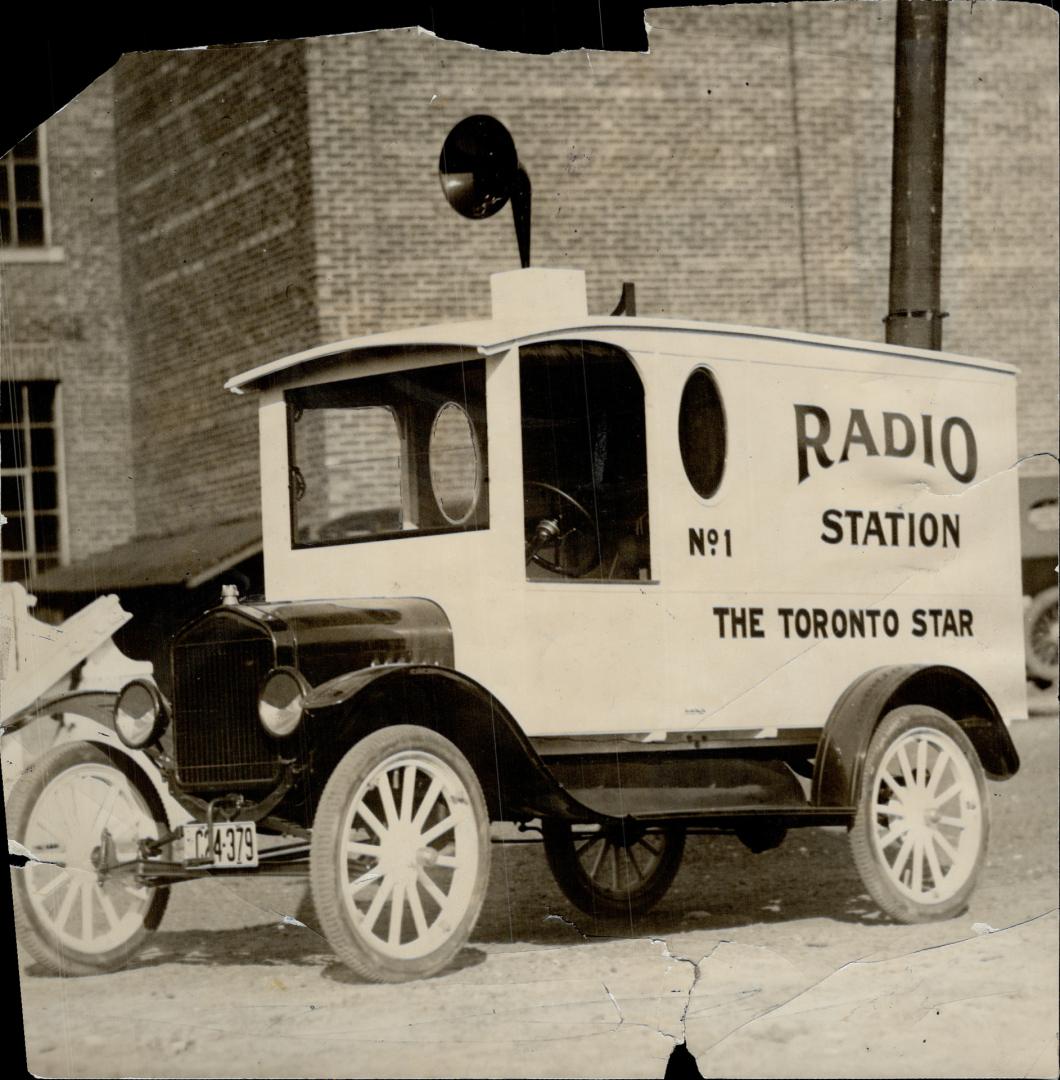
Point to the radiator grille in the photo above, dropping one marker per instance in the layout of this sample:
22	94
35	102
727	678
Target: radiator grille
218	739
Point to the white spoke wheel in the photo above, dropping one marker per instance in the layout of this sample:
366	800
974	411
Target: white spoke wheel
920	833
399	858
72	804
615	870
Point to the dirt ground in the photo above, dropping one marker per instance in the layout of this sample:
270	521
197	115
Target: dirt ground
769	965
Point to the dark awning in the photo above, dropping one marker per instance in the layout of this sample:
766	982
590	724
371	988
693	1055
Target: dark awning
188	558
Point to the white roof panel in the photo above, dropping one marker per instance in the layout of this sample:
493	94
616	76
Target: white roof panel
489	336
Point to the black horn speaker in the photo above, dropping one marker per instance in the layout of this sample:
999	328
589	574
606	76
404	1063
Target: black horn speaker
480	171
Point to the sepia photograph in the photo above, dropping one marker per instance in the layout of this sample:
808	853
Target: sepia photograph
535	554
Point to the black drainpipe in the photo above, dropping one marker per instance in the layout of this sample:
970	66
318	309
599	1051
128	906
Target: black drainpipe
915	315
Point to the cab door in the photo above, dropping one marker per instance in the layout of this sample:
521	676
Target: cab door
583	621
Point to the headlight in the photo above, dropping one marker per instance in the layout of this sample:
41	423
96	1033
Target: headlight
280	702
139	715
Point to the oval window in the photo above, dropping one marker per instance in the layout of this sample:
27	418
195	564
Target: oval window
453	458
701	432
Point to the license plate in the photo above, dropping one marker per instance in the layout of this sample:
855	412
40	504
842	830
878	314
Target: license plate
235	844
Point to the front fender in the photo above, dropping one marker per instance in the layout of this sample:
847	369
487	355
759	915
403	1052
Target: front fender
515	781
337	691
94	705
79	716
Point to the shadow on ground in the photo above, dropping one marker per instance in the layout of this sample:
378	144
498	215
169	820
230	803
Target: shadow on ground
720	884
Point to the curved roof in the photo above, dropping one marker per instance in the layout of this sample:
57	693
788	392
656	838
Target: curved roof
488	336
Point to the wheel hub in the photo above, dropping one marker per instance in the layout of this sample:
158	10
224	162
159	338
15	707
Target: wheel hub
426	856
402	853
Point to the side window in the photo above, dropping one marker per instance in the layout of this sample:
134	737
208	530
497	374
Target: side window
349	473
585	471
387	456
701	432
453	460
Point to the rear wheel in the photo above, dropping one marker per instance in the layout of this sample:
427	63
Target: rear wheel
399	859
613	870
75	809
920	833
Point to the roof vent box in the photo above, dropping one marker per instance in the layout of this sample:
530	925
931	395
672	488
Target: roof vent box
538	295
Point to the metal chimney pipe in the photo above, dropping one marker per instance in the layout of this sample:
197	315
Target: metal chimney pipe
914	316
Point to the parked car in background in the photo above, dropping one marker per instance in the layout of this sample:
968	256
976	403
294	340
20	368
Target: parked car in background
1040	540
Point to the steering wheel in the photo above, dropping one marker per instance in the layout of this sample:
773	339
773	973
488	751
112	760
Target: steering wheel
565	518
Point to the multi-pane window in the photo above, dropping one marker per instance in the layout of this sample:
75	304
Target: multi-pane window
23	221
30	482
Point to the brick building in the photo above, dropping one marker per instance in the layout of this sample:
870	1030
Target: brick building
65	349
212	209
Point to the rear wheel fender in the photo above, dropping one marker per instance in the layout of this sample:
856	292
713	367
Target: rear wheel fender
858	712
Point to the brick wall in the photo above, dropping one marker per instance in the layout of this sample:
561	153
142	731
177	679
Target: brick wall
740	172
661	167
842	97
63	320
1000	282
218	264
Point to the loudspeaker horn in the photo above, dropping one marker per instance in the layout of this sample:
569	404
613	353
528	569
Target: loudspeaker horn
480	171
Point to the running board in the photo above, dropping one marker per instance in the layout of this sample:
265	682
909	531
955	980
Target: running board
786	742
685	785
717	818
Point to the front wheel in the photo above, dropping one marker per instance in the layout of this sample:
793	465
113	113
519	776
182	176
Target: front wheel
400	852
614	870
920	833
76	810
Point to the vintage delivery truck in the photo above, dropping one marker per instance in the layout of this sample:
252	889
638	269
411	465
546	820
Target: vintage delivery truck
612	578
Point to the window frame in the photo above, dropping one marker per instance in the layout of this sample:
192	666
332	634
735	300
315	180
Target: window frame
12	249
417	490
476	450
614	352
24	471
722	481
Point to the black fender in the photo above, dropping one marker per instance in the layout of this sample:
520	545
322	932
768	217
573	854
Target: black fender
95	705
854	717
515	781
